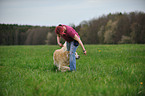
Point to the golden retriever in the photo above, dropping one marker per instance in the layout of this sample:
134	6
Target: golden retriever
61	58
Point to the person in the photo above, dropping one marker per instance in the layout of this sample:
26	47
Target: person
72	41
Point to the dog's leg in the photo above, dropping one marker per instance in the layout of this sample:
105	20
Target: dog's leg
64	68
59	66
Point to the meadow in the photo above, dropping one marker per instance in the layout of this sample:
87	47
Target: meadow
107	70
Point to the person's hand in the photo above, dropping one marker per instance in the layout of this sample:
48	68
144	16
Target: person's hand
85	52
61	45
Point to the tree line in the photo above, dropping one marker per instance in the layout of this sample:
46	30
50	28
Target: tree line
114	28
13	34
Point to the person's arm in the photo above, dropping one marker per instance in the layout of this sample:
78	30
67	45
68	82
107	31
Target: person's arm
80	42
58	40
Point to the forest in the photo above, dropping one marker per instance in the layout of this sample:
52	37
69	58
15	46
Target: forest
117	28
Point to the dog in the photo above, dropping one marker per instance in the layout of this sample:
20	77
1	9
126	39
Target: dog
61	58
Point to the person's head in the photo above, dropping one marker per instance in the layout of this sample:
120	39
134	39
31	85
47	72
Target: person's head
60	30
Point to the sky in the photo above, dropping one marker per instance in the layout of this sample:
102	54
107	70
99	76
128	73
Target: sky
54	12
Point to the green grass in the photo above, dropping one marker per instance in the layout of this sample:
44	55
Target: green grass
107	70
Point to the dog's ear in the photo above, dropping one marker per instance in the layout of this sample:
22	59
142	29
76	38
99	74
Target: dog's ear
64	44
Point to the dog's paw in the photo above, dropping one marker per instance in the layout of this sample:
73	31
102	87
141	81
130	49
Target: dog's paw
78	57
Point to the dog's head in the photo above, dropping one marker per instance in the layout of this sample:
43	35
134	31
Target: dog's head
76	55
64	48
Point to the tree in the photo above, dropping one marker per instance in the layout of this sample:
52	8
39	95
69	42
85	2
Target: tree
125	39
110	32
101	34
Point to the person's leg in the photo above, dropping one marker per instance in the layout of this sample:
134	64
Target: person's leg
72	56
68	46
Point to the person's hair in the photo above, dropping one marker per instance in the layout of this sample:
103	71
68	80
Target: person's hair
58	29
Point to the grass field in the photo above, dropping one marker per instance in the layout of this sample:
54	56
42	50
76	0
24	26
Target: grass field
107	70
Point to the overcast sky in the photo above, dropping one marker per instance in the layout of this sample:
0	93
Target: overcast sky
53	12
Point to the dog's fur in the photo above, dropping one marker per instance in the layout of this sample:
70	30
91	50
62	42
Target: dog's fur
61	58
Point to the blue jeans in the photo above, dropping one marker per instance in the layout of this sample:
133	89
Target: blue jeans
72	61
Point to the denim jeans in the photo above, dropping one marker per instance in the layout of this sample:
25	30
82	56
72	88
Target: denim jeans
72	61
